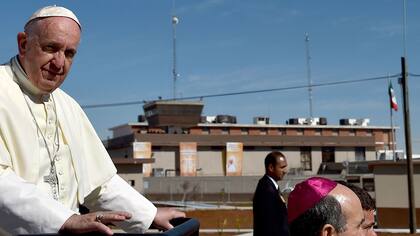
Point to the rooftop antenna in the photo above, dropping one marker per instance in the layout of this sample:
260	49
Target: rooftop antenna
308	69
175	74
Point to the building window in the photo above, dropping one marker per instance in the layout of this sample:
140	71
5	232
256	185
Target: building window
299	131
282	131
306	158
360	153
352	132
334	132
244	131
249	148
217	148
205	130
369	133
369	184
263	131
225	130
318	132
328	154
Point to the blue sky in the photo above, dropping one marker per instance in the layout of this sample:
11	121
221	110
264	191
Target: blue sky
235	45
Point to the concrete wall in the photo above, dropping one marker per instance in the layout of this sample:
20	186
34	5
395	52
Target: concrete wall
211	162
253	162
164	158
370	154
391	186
392	194
344	154
134	179
316	160
205	185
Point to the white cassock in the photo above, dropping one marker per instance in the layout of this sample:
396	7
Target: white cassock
85	172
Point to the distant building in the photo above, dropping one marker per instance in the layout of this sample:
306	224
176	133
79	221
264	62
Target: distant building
392	193
307	143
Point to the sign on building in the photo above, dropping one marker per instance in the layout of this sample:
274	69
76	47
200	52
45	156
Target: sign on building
188	158
142	150
234	156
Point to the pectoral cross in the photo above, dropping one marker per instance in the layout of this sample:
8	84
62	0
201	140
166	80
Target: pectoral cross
52	180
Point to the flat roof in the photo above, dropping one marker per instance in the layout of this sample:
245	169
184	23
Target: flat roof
391	163
269	126
253	140
132	161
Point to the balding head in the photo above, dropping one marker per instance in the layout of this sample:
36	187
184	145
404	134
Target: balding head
351	208
275	165
319	206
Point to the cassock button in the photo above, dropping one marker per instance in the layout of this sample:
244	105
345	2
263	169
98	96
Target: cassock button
60	172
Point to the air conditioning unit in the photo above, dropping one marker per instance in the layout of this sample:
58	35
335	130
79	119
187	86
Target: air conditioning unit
322	121
348	121
351	121
208	119
363	122
261	120
225	119
293	121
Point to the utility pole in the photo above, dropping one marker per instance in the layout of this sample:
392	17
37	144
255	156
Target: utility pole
407	130
409	160
175	74
308	69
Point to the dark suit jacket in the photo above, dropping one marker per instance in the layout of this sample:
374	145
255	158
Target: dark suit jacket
270	212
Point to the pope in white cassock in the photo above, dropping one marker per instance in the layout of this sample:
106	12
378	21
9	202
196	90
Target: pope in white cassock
51	159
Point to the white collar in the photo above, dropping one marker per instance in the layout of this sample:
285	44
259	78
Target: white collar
22	79
274	182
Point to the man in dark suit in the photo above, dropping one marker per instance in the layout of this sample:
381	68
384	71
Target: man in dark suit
269	208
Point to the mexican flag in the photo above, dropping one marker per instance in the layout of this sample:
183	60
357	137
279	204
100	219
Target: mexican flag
392	98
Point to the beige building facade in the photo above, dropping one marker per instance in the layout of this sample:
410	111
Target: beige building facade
392	193
305	146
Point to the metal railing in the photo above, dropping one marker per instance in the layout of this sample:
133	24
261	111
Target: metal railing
182	227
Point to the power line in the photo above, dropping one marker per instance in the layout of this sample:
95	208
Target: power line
248	91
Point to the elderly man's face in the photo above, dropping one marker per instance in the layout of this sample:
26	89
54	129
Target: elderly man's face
47	49
352	210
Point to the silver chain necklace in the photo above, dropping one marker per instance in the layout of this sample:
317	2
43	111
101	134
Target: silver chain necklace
52	178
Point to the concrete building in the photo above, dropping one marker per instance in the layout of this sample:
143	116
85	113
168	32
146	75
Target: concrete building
392	193
305	144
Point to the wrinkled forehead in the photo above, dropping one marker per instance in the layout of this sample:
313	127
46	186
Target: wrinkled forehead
55	26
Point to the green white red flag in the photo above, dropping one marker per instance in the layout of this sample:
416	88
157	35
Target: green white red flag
392	98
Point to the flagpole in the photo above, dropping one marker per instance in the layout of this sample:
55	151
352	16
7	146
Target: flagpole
394	144
392	138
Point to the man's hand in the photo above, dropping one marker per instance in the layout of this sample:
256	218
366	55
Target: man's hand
164	215
93	222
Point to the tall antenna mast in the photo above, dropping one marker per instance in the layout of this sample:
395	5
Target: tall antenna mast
308	68
175	74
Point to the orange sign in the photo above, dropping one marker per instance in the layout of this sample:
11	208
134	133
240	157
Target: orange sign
188	158
143	150
234	156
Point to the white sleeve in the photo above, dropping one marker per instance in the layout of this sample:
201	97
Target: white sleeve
24	209
118	195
